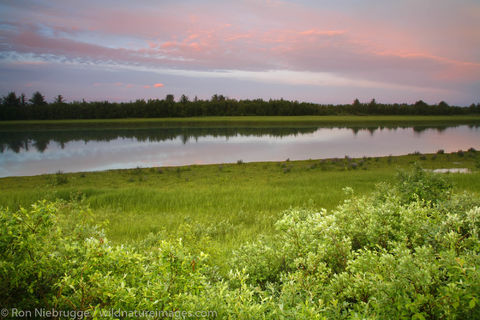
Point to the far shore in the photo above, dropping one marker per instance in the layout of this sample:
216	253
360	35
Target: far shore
350	120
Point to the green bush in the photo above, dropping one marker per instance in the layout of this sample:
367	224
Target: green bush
44	263
409	250
422	185
59	178
403	252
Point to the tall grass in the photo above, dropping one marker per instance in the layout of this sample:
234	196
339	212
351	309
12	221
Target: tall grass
408	120
226	206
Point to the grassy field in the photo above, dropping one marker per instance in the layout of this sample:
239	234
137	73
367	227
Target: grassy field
254	120
225	204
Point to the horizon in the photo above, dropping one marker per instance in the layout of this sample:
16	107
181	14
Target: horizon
177	99
329	53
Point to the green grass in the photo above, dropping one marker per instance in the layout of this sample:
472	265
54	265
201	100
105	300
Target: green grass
219	207
260	120
403	246
239	201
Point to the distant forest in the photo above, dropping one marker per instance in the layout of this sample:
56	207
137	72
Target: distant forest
15	107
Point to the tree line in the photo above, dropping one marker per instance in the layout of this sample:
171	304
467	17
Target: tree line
15	107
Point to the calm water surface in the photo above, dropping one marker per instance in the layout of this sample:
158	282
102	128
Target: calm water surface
72	150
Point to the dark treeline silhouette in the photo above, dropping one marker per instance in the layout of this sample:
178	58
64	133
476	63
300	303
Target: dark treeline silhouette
15	107
20	140
39	139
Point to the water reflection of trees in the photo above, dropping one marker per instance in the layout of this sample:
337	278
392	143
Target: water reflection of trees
23	140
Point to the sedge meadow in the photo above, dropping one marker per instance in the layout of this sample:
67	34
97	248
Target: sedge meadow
248	240
240	160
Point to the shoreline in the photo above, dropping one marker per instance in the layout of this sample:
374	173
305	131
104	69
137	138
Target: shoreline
418	156
249	120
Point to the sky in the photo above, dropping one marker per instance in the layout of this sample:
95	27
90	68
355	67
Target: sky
306	50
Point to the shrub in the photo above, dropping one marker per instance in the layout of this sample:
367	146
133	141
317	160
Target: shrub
419	184
389	255
47	264
408	250
27	255
59	178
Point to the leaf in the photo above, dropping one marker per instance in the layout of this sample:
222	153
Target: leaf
418	316
472	303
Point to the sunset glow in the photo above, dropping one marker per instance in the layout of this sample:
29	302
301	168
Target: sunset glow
319	51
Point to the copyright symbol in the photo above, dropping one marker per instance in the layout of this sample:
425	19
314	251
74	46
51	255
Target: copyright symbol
4	312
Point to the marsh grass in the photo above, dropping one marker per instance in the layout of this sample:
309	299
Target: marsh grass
59	179
225	205
253	120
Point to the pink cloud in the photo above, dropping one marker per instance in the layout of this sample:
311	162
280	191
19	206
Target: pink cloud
239	36
168	44
322	32
152	45
261	35
315	50
158	85
311	50
147	87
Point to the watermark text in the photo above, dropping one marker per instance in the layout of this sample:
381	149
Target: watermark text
110	313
